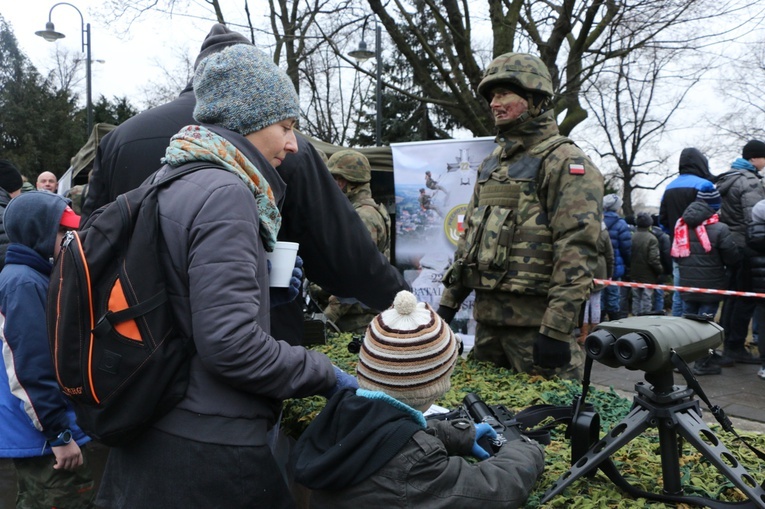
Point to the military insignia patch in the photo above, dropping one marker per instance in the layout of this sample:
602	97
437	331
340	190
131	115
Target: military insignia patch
576	169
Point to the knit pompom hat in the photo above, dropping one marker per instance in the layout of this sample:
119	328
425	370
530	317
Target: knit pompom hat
612	202
241	89
709	195
408	352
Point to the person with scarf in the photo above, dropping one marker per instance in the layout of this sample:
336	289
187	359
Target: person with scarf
704	250
741	188
217	224
529	247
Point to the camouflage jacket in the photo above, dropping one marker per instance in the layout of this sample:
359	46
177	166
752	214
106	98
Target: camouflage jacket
531	232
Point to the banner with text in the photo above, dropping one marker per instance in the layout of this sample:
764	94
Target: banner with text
434	181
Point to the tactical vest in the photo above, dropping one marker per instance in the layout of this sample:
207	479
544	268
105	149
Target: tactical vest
508	244
384	246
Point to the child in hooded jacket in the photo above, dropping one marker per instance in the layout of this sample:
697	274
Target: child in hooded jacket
704	250
38	424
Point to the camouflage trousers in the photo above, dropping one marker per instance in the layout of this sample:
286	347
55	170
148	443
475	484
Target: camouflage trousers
513	347
40	486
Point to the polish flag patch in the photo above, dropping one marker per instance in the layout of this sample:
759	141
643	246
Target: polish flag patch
576	169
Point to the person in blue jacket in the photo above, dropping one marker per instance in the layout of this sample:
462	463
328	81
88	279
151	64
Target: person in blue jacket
693	175
38	424
621	240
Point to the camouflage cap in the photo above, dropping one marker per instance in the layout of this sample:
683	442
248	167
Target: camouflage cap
352	165
517	69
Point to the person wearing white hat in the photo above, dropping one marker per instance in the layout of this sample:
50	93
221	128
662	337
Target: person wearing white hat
372	447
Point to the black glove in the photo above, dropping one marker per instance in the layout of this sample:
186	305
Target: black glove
551	353
446	313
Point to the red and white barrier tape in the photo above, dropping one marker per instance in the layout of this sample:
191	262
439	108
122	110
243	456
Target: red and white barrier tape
688	289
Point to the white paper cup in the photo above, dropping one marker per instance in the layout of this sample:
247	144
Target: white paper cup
282	262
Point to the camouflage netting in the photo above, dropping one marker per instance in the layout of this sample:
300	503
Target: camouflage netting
638	460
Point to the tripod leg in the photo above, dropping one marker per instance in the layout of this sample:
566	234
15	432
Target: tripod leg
632	425
695	431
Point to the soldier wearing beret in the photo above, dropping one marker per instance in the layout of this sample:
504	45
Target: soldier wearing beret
532	224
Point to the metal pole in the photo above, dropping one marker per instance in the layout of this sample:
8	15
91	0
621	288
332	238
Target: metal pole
378	57
88	77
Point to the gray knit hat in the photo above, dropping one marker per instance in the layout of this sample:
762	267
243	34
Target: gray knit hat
612	202
241	89
408	352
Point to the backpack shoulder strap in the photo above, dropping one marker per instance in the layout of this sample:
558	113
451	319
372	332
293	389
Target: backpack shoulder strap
169	173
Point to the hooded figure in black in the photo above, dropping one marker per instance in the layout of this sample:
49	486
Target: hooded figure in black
335	246
681	192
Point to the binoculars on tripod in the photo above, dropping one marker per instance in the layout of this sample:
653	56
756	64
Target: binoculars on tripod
647	342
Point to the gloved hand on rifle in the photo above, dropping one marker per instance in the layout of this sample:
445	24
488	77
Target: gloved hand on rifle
481	430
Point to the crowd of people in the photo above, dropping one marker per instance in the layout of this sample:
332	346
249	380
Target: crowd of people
705	237
537	231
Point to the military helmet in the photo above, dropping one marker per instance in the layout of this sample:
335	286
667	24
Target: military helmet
352	165
519	69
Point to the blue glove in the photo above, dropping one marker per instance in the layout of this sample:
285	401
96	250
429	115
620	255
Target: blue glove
281	296
344	381
551	353
482	430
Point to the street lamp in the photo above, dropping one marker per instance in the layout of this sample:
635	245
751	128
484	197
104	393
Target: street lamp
50	35
362	54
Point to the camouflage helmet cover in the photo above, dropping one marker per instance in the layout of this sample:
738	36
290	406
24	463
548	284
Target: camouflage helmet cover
519	69
352	165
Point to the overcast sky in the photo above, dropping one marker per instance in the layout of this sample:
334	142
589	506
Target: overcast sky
129	61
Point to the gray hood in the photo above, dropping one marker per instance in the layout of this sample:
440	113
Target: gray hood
32	219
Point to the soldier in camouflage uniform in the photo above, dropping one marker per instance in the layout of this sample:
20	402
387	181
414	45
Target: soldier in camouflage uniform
529	246
353	173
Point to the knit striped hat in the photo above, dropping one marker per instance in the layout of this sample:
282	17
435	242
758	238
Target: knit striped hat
709	195
409	353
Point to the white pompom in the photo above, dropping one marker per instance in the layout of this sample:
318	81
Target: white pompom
405	303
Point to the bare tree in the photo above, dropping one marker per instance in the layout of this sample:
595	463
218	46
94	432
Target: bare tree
741	88
633	101
575	39
170	81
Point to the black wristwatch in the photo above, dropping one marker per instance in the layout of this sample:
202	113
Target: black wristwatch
63	438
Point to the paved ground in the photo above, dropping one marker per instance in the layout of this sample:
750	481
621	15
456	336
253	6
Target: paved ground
737	390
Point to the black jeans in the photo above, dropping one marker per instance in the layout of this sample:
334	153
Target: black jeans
163	471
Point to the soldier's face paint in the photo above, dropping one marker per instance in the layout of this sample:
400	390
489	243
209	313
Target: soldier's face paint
507	106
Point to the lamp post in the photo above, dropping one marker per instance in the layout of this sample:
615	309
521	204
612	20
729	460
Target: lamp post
362	54
50	35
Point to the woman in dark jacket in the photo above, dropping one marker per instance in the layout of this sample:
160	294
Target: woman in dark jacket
212	449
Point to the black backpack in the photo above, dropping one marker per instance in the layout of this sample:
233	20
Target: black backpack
117	353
